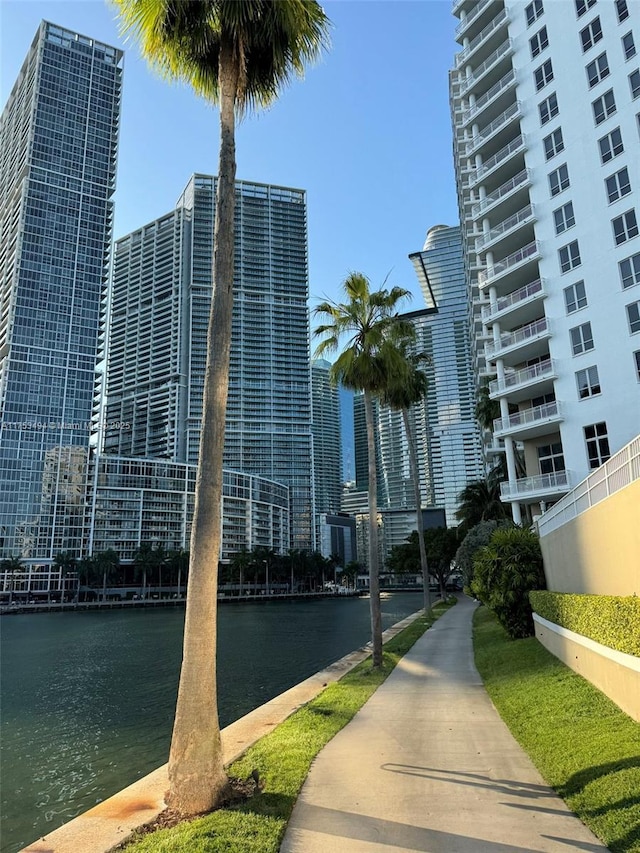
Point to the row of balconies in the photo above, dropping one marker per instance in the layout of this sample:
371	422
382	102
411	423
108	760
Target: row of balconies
499	123
506	82
499	21
466	83
525	216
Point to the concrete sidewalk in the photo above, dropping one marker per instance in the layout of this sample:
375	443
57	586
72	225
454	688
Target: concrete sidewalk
428	765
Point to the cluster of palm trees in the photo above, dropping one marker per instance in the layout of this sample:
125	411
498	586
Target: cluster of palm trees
250	571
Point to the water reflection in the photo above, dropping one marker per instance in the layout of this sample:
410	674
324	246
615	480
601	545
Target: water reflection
88	698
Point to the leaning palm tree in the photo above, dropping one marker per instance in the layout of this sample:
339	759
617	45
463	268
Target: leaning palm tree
401	396
367	364
236	54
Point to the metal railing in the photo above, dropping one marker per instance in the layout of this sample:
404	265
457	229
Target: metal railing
542	370
511	112
495	56
502	84
498	21
558	481
518	180
525	417
470	18
521	295
520	218
513	260
515	145
621	470
509	339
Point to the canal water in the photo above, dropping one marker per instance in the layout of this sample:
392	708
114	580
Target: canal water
88	697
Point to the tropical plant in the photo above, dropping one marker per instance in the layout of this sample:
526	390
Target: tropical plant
476	538
237	54
106	563
480	501
504	573
487	410
442	544
366	363
400	395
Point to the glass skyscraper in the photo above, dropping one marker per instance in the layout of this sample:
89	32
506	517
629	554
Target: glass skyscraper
158	337
58	138
327	444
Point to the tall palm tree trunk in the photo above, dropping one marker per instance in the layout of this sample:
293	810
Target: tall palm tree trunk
415	477
374	569
197	779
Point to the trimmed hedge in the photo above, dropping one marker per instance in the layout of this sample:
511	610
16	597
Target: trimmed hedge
610	620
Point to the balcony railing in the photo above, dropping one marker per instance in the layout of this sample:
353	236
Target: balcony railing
525	417
542	484
534	288
502	84
505	153
491	27
470	18
520	218
519	180
512	111
510	262
510	339
503	50
542	370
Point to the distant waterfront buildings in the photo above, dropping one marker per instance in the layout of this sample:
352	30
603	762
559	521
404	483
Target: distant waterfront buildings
157	344
58	144
545	110
327	445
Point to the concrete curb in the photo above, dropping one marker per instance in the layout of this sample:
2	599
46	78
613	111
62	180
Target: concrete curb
111	822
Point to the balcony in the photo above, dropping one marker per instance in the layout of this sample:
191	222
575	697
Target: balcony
541	487
503	84
519	384
506	305
504	191
464	55
524	343
529	423
506	227
471	17
503	120
504	50
518	260
500	157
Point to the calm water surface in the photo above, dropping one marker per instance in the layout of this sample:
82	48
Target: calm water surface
88	698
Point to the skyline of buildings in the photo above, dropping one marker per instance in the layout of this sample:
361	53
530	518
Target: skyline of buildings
545	112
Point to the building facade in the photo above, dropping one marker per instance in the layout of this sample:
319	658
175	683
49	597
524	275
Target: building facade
58	143
158	330
327	443
546	111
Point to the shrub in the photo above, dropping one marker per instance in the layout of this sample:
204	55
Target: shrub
476	538
613	621
505	572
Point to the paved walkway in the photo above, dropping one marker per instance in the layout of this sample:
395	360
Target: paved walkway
428	765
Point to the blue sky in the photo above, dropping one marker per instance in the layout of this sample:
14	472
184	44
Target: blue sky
367	133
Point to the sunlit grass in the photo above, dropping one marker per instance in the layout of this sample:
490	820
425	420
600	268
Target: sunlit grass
282	760
585	747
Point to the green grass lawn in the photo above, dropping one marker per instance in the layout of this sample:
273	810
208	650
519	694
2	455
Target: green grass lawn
585	747
282	759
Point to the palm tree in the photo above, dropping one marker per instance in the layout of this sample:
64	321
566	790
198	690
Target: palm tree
401	396
106	562
366	363
12	565
237	54
479	501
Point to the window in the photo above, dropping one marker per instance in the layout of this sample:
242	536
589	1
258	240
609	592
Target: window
611	145
543	75
628	46
588	382
625	227
630	271
604	106
575	297
591	34
538	42
563	217
569	256
548	109
634	83
633	315
550	458
583	6
559	179
618	185
533	11
581	338
553	144
622	10
597	442
597	70
636	358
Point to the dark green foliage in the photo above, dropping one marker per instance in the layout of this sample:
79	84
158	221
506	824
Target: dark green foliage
613	621
476	538
505	572
480	501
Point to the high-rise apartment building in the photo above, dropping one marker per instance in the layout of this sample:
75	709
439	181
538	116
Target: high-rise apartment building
327	444
58	142
545	101
157	346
